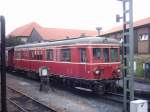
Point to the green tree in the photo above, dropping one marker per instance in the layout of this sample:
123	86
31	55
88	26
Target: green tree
13	41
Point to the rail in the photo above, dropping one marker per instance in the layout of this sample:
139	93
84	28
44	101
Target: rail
26	103
118	97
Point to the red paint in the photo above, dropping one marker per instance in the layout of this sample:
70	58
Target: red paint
75	68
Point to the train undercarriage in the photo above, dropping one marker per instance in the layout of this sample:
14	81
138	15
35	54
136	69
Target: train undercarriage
97	86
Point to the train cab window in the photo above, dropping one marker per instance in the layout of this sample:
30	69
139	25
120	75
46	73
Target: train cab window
65	55
96	53
49	54
106	54
83	55
114	54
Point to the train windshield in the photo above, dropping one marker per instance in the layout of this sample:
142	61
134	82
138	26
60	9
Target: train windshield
96	53
114	54
106	54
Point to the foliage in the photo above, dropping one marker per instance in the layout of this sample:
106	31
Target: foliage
139	70
13	41
141	59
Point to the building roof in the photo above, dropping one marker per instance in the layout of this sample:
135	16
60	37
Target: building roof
60	33
50	33
24	30
136	24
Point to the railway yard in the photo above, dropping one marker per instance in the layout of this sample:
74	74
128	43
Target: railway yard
24	95
68	70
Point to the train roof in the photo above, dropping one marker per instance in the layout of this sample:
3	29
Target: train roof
73	41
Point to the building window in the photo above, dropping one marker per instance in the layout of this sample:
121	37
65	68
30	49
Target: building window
65	55
83	55
49	54
114	54
96	53
143	37
24	39
106	54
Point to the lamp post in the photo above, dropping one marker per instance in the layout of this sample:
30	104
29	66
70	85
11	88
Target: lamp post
98	30
3	65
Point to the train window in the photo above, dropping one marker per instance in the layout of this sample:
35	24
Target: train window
83	56
114	54
65	55
49	54
31	55
18	55
106	54
96	53
23	54
37	55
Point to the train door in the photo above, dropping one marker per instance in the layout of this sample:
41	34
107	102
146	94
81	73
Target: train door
106	54
83	60
11	57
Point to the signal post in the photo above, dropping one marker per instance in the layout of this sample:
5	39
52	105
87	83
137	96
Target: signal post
3	66
128	53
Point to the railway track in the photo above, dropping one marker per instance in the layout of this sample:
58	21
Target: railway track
25	103
117	97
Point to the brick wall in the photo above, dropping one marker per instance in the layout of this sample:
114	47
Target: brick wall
140	46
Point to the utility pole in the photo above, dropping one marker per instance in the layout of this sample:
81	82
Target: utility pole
3	66
128	53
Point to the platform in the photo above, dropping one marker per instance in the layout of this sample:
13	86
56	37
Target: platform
139	86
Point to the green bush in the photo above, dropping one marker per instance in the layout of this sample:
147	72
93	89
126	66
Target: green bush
140	59
139	71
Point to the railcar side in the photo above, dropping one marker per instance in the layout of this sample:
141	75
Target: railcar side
89	62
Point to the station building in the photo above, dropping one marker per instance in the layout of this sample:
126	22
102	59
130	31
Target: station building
33	32
141	35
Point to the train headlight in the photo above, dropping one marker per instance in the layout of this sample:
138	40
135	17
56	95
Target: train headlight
118	70
97	72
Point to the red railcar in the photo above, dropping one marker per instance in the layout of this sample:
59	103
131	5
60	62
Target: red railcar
9	57
91	62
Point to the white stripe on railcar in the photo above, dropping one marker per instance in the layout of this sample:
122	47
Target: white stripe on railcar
70	62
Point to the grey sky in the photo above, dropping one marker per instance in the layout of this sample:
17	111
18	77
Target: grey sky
77	14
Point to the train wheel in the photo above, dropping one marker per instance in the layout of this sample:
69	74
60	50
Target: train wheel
113	87
99	89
